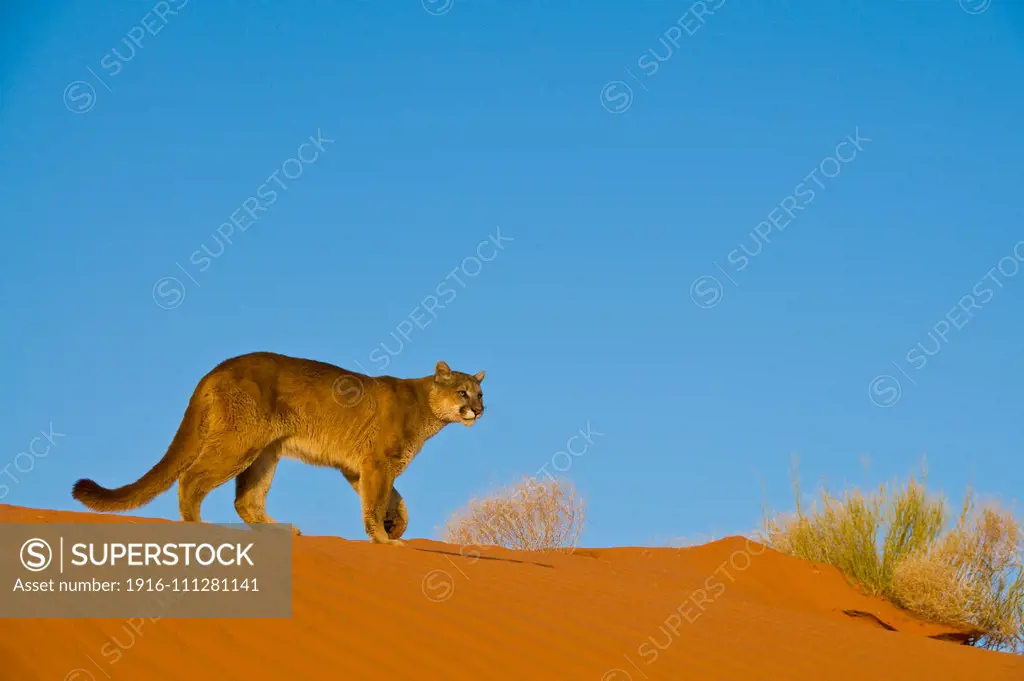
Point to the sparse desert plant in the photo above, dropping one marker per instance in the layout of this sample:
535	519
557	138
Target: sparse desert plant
530	515
973	576
900	542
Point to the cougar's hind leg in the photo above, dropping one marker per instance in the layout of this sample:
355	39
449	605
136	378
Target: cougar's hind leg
253	484
221	459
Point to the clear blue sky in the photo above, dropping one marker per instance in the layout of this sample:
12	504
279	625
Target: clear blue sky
491	115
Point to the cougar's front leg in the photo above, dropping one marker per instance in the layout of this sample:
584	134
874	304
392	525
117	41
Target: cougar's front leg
375	481
396	518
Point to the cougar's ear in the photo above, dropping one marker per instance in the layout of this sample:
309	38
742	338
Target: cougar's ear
442	370
479	377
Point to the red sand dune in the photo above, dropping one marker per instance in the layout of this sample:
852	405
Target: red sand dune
422	611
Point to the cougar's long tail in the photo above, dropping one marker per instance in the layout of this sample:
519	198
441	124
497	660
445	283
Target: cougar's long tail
183	451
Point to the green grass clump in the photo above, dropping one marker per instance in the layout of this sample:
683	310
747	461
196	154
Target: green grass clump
902	543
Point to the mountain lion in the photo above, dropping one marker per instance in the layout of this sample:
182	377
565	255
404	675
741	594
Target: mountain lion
251	410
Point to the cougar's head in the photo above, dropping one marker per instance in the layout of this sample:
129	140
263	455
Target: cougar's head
456	397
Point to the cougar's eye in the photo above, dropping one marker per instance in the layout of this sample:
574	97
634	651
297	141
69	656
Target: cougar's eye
462	393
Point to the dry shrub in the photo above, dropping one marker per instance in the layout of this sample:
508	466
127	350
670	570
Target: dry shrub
530	515
972	577
929	585
899	542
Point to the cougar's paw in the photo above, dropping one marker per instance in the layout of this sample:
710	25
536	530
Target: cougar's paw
394	527
396	521
386	541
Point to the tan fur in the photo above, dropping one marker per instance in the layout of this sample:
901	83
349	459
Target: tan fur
251	410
